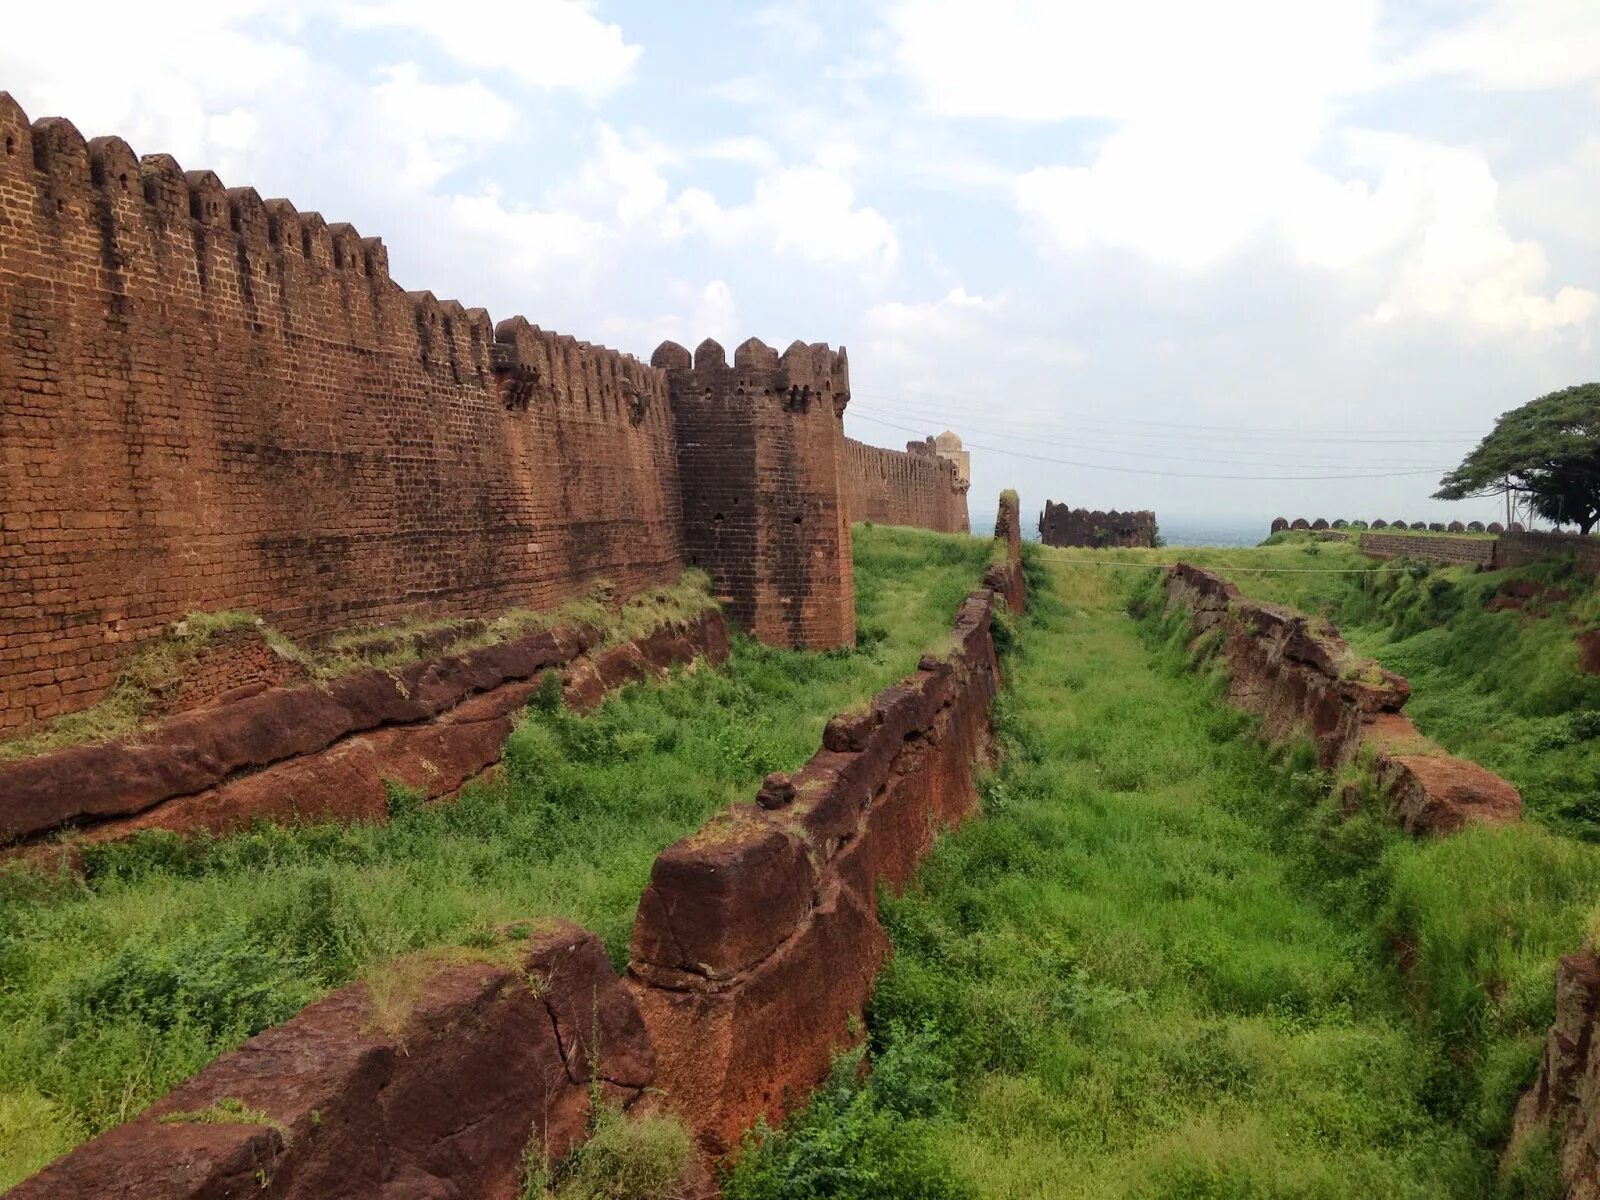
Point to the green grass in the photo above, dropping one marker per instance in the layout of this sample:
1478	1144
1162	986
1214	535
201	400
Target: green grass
114	989
1504	689
1165	966
133	700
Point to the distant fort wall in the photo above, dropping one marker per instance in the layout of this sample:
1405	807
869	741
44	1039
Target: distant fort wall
1063	526
1492	546
917	486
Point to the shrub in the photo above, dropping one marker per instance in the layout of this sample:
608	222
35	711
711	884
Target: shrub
624	1158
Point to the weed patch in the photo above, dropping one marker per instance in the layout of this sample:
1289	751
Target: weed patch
173	950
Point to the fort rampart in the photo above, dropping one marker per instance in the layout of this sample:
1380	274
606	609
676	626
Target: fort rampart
210	401
915	486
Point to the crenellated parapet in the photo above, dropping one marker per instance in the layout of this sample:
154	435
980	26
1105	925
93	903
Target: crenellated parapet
761	454
215	400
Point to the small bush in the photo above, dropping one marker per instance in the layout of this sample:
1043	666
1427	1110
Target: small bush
861	1140
624	1158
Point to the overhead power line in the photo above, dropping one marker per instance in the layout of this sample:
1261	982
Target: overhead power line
1071	444
1091	438
1460	434
1088	466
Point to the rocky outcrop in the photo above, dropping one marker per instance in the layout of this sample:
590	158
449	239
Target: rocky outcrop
1300	677
1565	1099
757	940
439	1104
327	753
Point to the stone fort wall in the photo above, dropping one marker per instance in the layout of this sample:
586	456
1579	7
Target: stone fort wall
915	486
761	451
209	400
1063	526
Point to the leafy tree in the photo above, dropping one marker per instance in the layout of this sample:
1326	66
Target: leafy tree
1548	450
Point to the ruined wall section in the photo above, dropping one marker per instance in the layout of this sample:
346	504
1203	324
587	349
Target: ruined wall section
761	458
1302	679
911	487
1450	551
212	401
1063	526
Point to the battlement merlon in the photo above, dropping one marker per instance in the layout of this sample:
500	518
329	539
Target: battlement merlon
799	374
155	217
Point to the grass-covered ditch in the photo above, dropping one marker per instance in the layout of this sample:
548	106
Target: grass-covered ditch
115	987
1166	965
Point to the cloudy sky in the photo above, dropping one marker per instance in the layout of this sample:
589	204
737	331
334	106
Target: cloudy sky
1244	258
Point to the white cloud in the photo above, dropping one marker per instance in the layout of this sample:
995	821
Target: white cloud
1220	120
1560	197
546	43
438	126
790	26
808	213
708	311
1463	264
192	97
744	148
620	180
1047	60
1518	45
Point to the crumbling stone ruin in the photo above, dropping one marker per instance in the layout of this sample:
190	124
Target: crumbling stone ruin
1063	526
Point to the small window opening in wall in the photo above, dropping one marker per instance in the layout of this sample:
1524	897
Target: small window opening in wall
11	144
61	206
797	520
305	242
123	180
338	258
717	520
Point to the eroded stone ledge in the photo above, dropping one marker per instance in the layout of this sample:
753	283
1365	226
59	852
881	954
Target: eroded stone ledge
1300	677
315	753
757	940
331	1104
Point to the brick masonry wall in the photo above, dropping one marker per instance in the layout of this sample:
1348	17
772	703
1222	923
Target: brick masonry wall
210	401
761	454
1441	549
231	664
895	487
1520	549
1063	526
